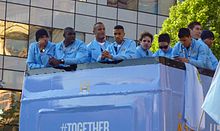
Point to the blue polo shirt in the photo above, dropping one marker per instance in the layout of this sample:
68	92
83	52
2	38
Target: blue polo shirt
140	52
37	59
167	54
75	53
212	61
125	50
196	53
95	49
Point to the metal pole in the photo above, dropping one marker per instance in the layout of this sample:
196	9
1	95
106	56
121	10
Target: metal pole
200	121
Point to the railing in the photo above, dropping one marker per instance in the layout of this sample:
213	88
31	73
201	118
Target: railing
141	61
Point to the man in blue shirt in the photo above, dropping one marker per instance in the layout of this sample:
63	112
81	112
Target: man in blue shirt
99	44
40	51
164	45
121	49
195	29
70	51
189	50
207	37
142	50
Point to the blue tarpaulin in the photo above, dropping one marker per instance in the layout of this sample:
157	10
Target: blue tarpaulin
132	97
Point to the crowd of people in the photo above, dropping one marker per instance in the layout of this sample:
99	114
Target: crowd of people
193	47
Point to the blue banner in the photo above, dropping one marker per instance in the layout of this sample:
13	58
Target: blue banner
146	97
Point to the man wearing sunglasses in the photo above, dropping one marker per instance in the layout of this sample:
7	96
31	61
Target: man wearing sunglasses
164	45
70	51
189	50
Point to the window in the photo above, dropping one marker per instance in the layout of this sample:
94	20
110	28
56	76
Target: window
64	5
60	19
16	39
57	35
2	36
110	39
40	16
112	3
1	62
84	23
13	79
126	4
17	13
148	6
26	2
164	6
0	77
42	3
86	8
14	63
2	10
107	12
80	35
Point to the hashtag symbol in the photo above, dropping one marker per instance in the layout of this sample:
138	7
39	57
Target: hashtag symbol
63	127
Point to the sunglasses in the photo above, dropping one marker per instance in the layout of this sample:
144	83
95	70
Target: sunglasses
163	47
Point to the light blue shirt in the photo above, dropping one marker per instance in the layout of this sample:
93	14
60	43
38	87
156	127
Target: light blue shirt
75	53
212	61
196	53
37	59
95	49
160	52
140	52
127	50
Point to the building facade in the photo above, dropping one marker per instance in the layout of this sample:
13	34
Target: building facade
19	20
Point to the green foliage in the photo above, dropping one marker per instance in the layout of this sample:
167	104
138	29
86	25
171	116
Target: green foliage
207	12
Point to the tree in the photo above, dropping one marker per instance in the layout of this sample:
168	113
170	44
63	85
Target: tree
9	117
207	12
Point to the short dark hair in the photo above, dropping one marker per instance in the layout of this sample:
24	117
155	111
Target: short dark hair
97	23
144	34
193	24
183	32
207	34
119	27
164	38
68	29
40	33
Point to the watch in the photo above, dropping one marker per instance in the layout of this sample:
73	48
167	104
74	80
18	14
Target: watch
62	61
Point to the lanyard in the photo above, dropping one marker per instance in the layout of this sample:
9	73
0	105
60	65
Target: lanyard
187	53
